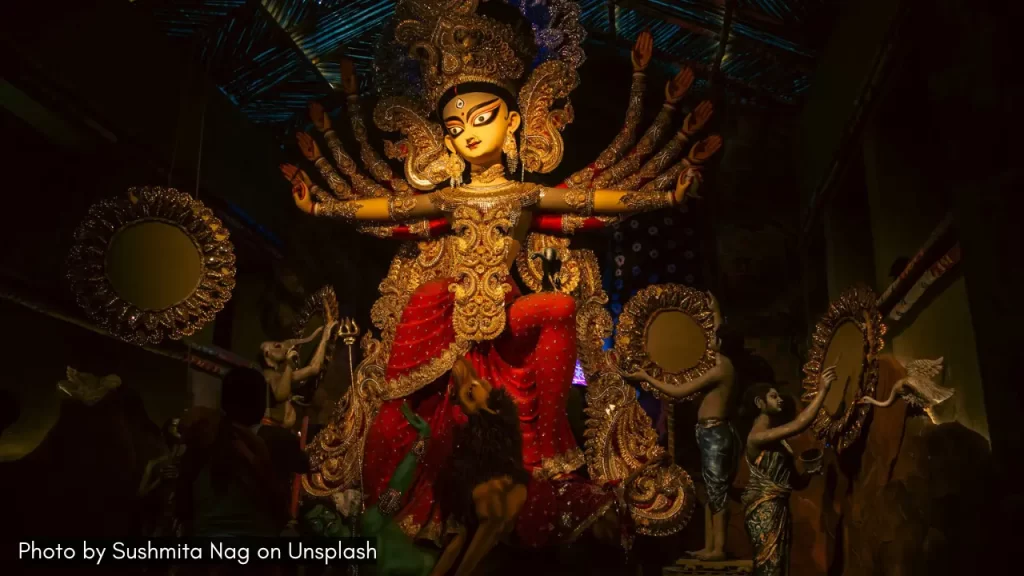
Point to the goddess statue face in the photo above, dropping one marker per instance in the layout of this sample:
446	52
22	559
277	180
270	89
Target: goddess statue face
475	127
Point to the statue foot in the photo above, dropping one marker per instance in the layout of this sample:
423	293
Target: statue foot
711	556
698	553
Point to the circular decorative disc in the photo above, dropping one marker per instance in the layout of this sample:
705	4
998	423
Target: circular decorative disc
849	336
319	309
667	330
156	264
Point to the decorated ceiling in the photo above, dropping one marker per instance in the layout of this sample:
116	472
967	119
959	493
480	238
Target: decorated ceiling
271	57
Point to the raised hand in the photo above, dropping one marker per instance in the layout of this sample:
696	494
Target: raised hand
308	146
302	197
705	149
679	86
826	379
292	173
320	118
687	184
349	80
416	421
642	51
696	120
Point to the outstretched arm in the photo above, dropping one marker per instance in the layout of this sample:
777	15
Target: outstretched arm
721	370
802	421
588	202
385	209
318	358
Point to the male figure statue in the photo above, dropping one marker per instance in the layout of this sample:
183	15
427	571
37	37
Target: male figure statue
717	439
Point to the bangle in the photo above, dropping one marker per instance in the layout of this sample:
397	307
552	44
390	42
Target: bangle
580	200
400	207
645	201
420	448
390	502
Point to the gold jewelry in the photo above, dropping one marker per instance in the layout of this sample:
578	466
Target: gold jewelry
581	200
511	152
455	166
489	175
645	201
400	207
390	502
337	209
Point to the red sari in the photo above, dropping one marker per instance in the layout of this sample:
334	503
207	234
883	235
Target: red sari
534	360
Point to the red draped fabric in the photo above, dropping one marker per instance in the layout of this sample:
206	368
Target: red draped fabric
533	360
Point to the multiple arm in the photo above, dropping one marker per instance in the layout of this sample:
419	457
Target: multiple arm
378	168
641	57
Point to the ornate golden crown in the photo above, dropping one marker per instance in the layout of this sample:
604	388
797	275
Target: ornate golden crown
455	45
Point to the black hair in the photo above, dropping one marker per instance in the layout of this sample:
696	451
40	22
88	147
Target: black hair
489	446
748	410
243	396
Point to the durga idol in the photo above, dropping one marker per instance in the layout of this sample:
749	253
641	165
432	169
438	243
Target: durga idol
474	215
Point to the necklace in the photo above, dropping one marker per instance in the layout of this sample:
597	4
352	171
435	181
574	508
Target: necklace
489	175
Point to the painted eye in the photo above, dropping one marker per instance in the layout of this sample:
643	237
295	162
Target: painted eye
455	131
483	118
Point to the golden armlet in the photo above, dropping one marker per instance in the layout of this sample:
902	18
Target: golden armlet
580	200
646	201
400	207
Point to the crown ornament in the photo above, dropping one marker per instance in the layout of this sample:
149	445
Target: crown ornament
454	45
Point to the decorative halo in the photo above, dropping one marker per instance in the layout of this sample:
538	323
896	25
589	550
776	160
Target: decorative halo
667	330
151	265
852	327
319	309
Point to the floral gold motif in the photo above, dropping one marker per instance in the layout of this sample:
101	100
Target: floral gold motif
400	207
542	147
425	154
581	200
645	201
343	209
627	134
637	316
482	244
857	305
86	265
530	270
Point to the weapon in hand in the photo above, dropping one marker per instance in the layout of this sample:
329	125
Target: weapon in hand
349	331
551	265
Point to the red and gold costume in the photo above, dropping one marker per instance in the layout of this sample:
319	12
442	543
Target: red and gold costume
448	293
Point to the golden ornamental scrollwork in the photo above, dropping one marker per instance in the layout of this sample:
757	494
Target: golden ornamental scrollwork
482	244
336	453
322	303
423	147
621	441
541	142
151	265
632	333
530	270
855	313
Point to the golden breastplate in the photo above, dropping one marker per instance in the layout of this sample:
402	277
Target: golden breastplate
482	222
